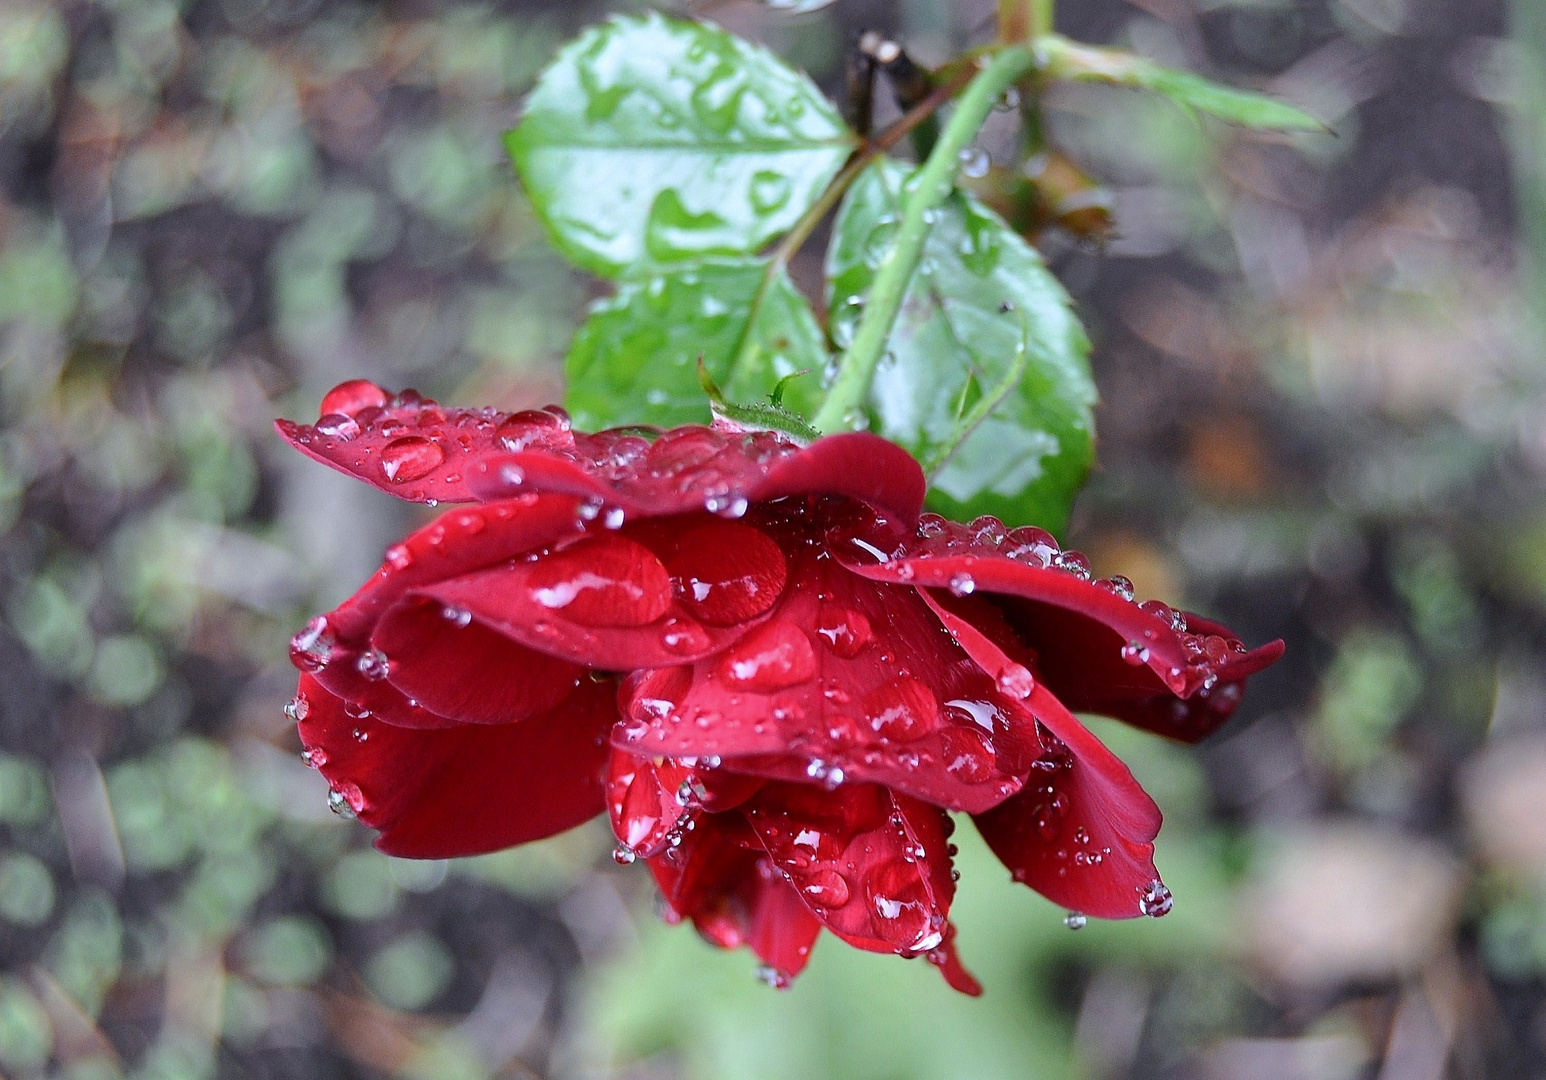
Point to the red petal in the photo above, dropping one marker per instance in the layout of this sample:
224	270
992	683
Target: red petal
718	878
605	601
409	446
871	865
815	693
1082	831
466	790
726	573
949	963
698	468
1096	649
460	669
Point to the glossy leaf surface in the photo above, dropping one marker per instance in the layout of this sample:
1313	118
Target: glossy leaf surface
653	141
980	295
635	359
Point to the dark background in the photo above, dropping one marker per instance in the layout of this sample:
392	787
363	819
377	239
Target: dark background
1322	419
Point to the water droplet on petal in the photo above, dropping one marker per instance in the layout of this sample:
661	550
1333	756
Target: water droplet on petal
373	664
903	710
1135	653
968	755
298	708
827	888
1119	585
1074	920
962	584
338	426
1016	681
1075	562
1154	900
345	800
604	580
773	977
459	617
314	756
622	856
725	573
774	656
353	397
410	458
398	557
312	648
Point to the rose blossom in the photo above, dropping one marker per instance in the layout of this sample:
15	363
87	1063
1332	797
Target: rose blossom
756	657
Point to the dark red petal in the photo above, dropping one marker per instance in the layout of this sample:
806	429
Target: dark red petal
726	573
872	865
604	601
466	790
457	542
949	963
847	679
409	446
1082	831
697	468
458	668
642	802
718	877
1097	649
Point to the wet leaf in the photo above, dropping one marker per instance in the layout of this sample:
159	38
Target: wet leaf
635	359
980	295
654	141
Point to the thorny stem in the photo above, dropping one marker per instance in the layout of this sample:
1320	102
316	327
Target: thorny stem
796	237
928	188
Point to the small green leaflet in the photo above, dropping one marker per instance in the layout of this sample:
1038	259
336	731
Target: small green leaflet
652	141
979	292
1085	63
635	359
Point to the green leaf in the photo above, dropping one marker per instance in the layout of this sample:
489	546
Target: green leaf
655	141
635	359
981	303
1086	63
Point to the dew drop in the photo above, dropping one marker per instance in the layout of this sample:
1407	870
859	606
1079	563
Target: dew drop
298	708
974	162
623	856
353	397
1135	653
398	557
338	426
1074	920
312	648
459	617
1154	900
1016	681
410	458
1075	563
827	888
962	584
345	805
772	976
1120	585
373	664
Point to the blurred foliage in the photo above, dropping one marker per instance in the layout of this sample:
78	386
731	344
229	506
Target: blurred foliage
1318	422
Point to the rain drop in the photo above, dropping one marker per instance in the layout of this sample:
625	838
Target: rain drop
974	162
1155	900
312	648
622	855
410	458
373	664
458	616
962	584
1135	653
339	804
1074	920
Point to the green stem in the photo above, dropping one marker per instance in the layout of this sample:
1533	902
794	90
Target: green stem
796	237
1041	17
929	187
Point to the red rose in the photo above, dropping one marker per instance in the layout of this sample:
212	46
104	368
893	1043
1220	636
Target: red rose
756	657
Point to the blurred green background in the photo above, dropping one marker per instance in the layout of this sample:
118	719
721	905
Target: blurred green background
1324	419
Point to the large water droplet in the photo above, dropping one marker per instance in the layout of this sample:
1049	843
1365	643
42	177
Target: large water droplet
774	656
827	888
903	710
410	458
968	755
1155	900
1119	585
604	580
373	664
1016	681
338	426
846	632
353	397
725	573
312	648
345	800
298	708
